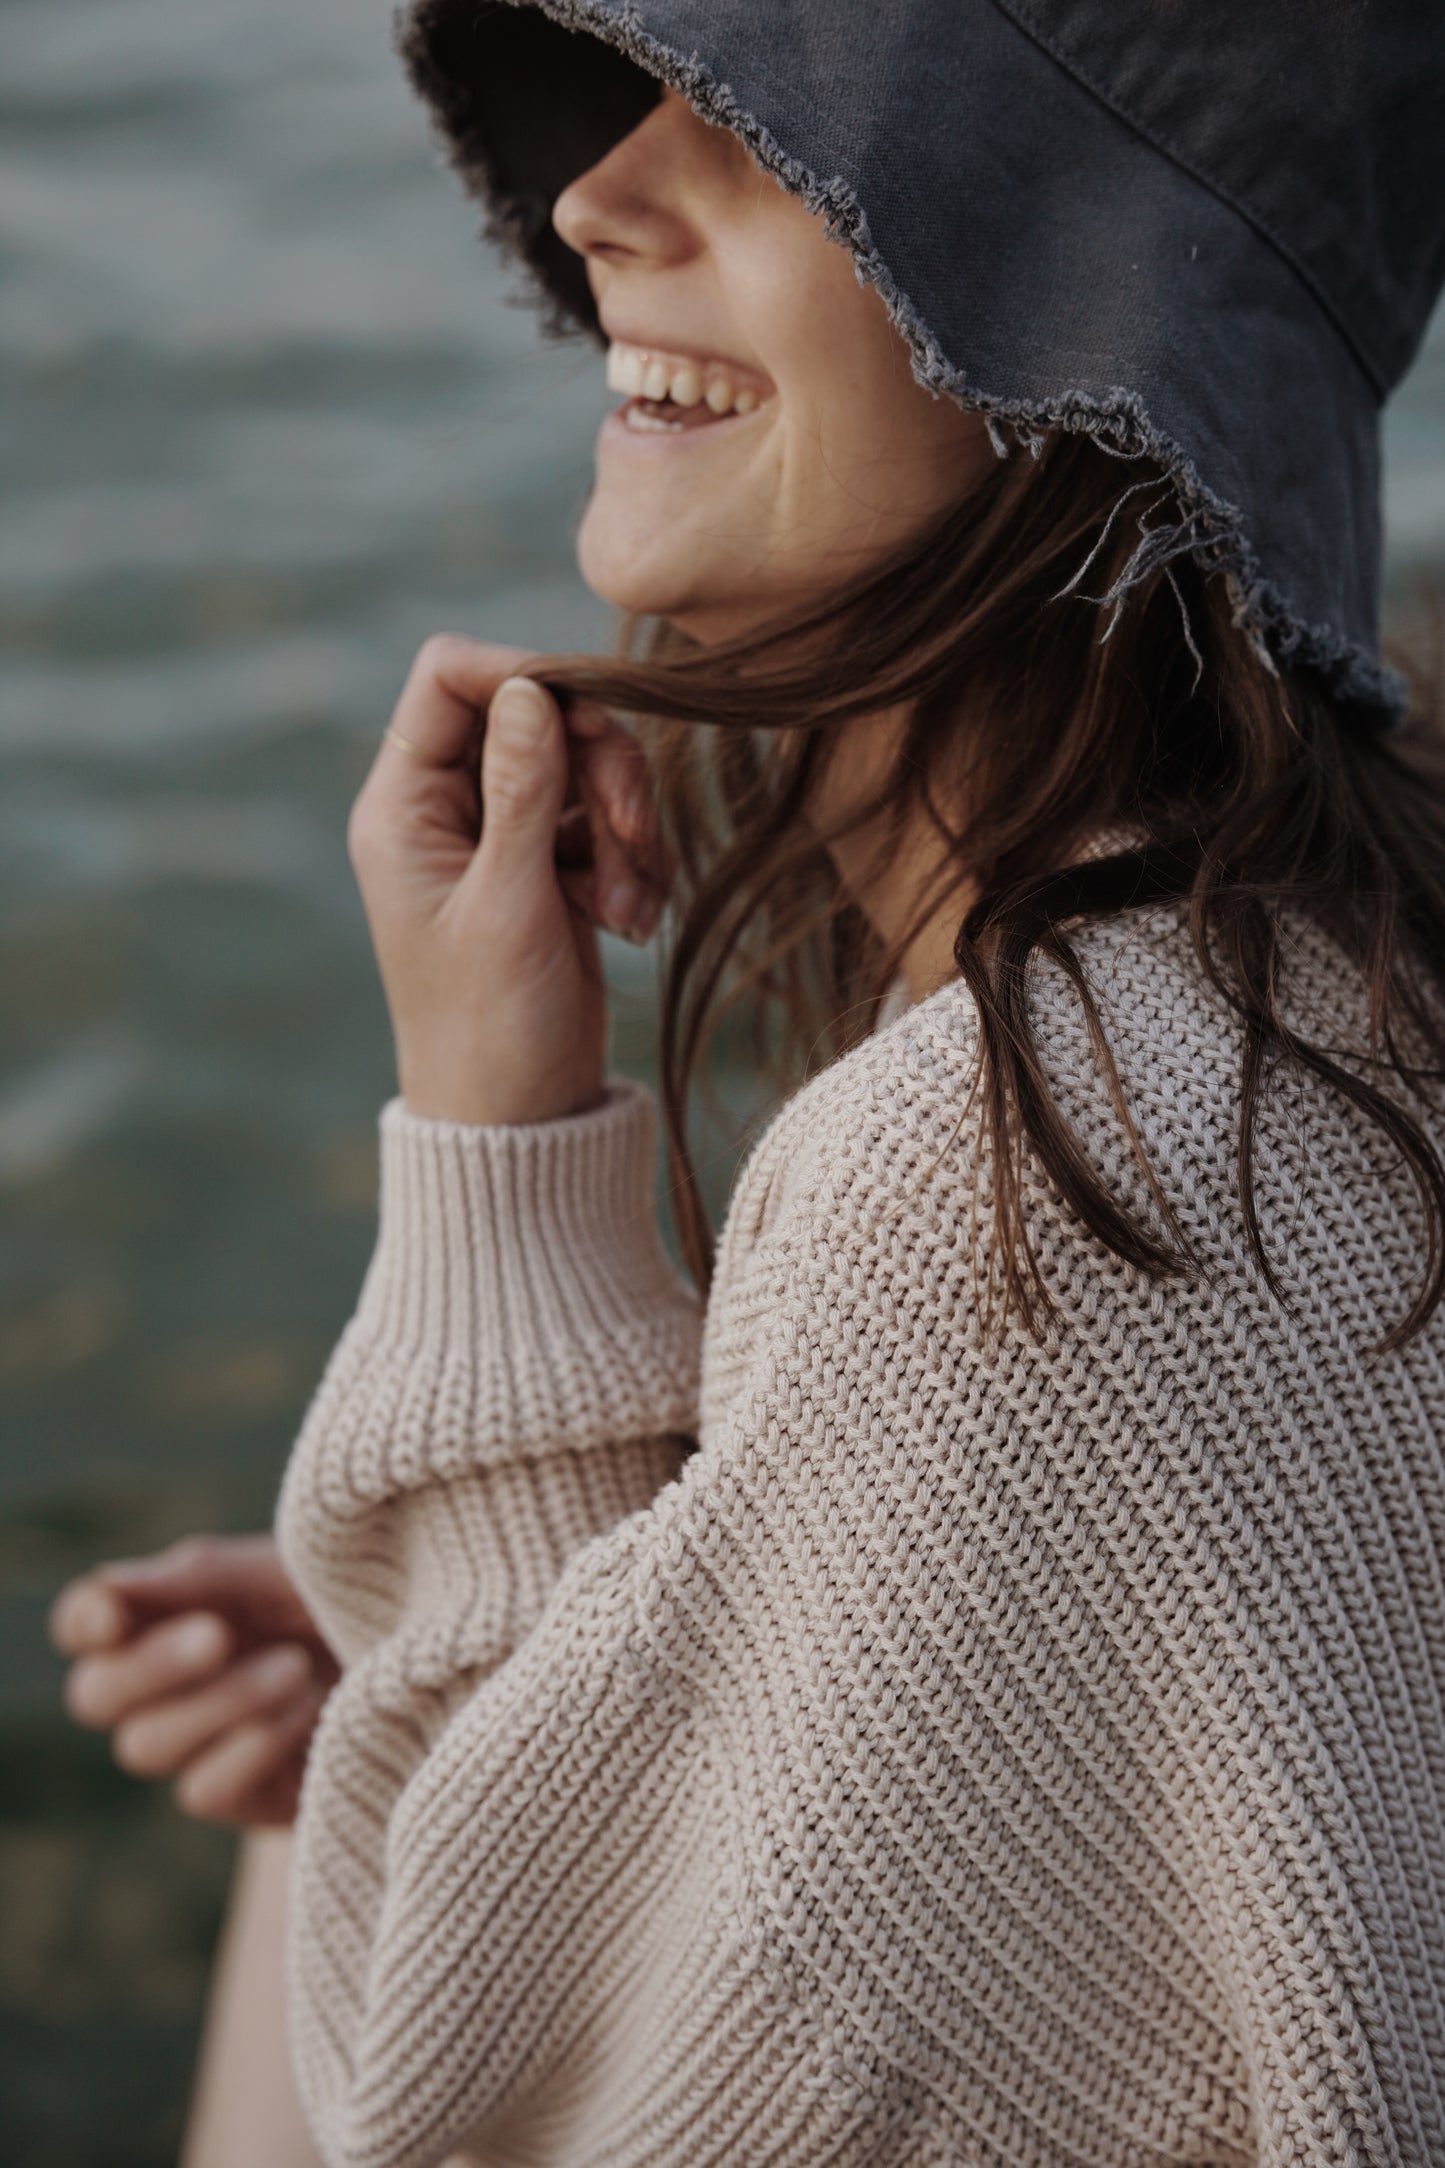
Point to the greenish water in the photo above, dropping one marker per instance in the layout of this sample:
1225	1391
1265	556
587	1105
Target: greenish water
264	423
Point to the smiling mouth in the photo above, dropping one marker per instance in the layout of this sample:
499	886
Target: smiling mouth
674	392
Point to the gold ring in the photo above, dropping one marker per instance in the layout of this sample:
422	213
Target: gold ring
405	744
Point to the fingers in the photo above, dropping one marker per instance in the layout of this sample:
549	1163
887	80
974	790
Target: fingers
105	1685
524	786
423	781
633	869
493	820
239	1577
88	1615
621	896
231	1727
252	1774
165	1736
615	767
448	689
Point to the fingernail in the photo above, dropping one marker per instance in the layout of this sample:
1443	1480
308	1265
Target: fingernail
282	1668
623	899
198	1641
520	701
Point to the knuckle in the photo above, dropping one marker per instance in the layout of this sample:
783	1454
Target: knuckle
192	1551
363	830
191	1642
279	1672
440	653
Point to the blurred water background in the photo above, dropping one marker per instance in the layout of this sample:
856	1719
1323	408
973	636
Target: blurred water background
264	424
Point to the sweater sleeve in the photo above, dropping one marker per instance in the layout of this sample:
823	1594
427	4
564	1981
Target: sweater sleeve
510	1773
521	1371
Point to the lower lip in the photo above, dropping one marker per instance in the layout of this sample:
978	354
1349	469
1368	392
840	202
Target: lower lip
615	430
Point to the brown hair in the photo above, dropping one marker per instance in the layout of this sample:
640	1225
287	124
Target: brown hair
1254	794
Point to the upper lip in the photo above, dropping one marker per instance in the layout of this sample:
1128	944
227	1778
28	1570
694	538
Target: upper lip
683	350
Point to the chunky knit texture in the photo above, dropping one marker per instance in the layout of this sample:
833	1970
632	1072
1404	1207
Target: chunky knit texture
974	1751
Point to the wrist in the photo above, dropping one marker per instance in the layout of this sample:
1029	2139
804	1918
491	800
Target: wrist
494	1103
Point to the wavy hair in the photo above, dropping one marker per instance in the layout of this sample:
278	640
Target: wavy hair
1251	791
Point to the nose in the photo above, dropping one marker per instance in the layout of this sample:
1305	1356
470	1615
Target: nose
629	204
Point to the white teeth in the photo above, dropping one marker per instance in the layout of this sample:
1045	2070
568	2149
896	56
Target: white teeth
626	366
634	372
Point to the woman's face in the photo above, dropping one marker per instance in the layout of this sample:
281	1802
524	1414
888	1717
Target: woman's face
790	448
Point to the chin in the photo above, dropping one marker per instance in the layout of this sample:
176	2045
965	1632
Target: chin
632	593
623	577
625	567
616	572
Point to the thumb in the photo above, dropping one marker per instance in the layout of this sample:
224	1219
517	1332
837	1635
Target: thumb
524	782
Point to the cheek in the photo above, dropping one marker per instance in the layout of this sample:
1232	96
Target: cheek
864	438
897	456
857	472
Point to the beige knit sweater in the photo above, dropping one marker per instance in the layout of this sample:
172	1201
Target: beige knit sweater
1027	1755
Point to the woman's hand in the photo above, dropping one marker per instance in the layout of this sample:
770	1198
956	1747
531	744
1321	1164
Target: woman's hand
486	844
207	1667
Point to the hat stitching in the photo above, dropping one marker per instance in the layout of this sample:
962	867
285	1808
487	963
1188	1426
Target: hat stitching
1378	382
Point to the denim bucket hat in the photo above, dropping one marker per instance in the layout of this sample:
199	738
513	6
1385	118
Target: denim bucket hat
1210	232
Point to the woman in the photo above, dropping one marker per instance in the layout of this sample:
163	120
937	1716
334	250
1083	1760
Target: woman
972	1692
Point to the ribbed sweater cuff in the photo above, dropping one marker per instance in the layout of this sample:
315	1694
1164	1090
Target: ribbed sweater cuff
528	1258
